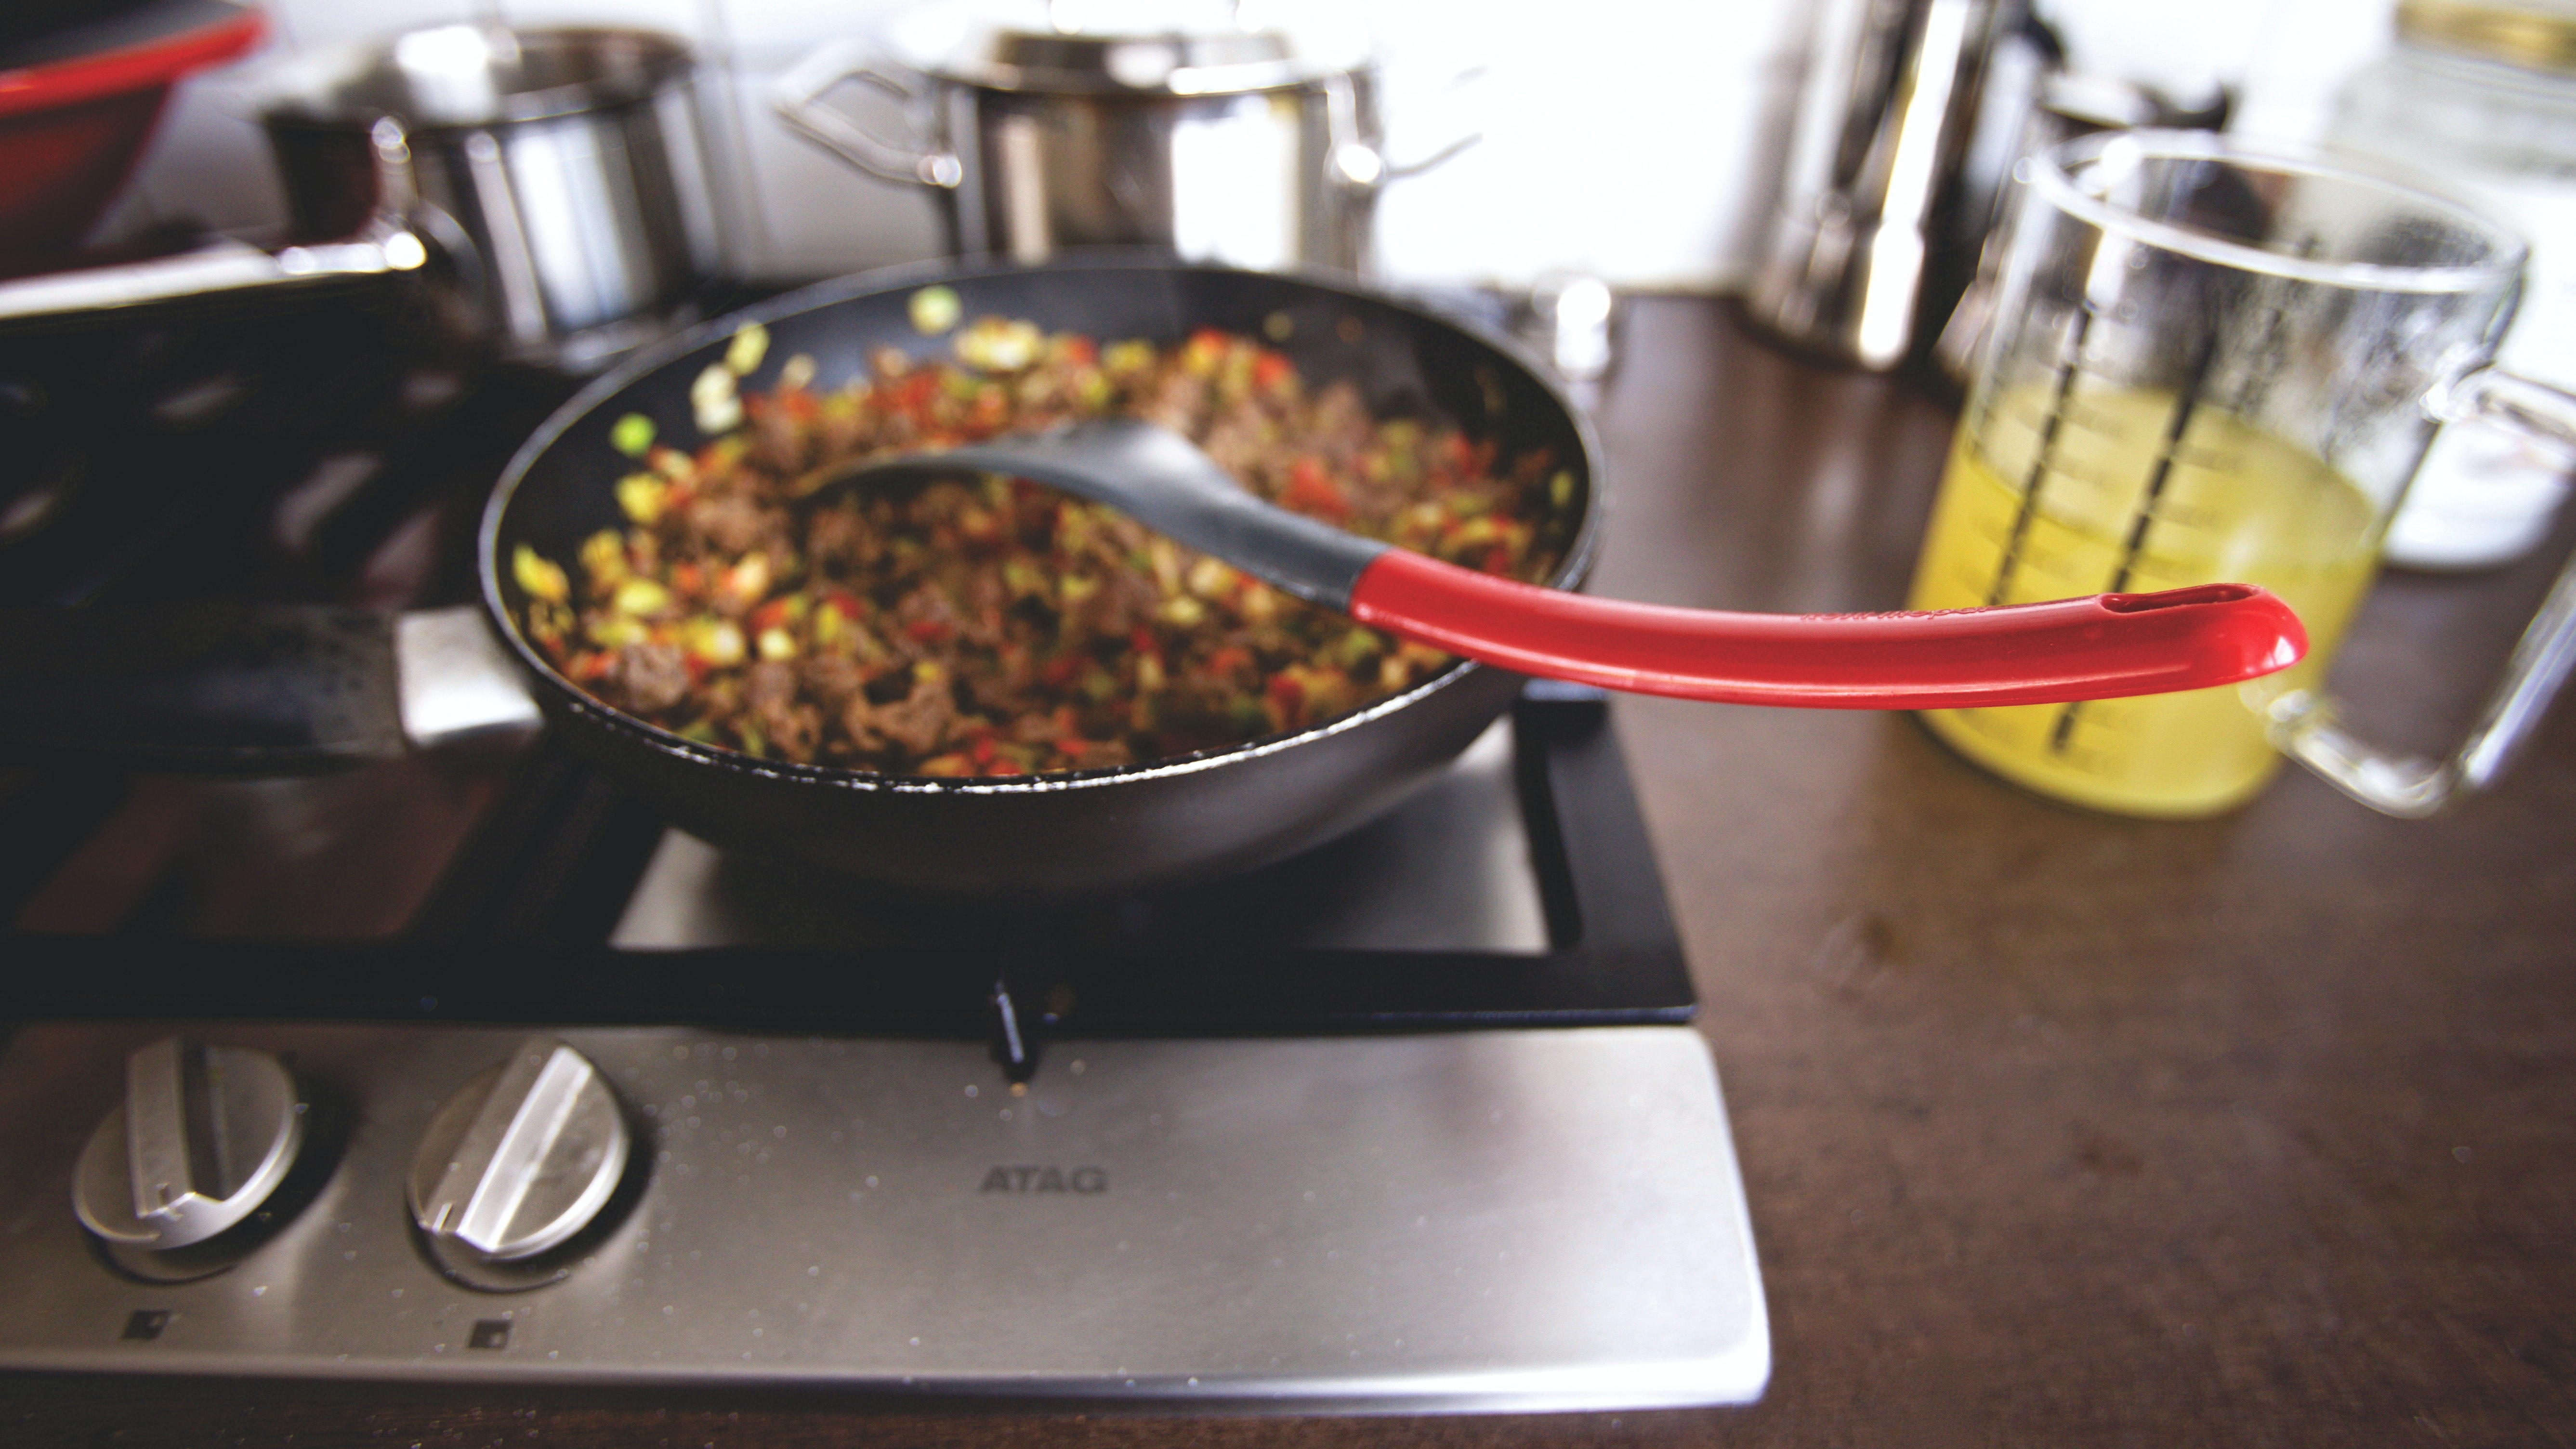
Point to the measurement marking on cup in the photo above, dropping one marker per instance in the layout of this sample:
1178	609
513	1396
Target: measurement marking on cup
2067	371
2186	404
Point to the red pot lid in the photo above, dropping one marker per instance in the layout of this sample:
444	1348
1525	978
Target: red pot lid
139	50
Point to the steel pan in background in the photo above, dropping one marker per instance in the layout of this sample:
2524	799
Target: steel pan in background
546	189
1253	144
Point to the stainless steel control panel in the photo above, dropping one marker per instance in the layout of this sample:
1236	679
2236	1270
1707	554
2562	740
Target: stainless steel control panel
1489	1219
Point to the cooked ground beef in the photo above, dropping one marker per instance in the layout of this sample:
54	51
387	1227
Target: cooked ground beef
989	626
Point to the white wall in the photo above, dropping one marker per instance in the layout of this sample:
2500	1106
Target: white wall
1635	139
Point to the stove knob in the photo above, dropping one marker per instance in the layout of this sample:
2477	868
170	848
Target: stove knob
522	1158
204	1135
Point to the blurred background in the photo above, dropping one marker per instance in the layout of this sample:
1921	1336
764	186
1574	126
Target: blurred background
1639	141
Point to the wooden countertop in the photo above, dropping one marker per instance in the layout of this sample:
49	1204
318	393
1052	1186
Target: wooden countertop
2056	1128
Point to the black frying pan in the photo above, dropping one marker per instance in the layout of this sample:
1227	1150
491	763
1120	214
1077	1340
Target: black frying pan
1199	815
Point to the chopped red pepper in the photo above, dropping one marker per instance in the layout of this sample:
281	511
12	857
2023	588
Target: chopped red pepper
1313	490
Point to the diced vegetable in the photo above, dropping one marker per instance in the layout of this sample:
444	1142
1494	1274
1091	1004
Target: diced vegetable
934	310
540	577
631	435
750	344
640	496
714	402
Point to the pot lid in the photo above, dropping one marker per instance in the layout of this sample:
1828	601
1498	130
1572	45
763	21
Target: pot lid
473	75
1150	47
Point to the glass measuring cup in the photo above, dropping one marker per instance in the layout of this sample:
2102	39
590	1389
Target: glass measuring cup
2211	362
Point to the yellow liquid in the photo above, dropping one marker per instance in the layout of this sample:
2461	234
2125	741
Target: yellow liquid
2235	504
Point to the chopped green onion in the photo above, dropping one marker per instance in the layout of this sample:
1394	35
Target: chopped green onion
538	576
632	435
749	345
935	310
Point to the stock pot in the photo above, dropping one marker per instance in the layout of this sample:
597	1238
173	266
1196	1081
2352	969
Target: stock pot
1212	132
541	191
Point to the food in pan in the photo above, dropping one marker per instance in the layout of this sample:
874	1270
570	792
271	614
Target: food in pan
986	626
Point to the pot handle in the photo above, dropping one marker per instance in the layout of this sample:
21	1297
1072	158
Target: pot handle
797	97
387	243
228	688
1470	91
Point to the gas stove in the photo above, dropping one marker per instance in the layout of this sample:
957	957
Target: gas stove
548	1091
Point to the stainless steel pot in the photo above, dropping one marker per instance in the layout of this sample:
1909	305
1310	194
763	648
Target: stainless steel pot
559	175
1228	142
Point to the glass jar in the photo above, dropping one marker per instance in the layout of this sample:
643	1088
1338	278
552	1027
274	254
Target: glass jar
2479	97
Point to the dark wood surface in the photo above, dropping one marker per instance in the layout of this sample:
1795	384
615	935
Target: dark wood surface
2057	1128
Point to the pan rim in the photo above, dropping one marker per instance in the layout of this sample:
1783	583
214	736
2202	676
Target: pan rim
1569	573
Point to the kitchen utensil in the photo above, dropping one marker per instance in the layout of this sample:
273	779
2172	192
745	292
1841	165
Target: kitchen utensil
2071	649
78	103
1211	813
1204	129
560	172
2213	361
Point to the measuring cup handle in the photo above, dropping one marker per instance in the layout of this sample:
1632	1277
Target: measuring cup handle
2306	725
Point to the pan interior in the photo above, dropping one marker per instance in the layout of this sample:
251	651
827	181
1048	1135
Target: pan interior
1405	362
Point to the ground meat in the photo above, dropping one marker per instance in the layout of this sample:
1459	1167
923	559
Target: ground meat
648	678
770	697
833	680
1341	428
1175	403
1122	604
729	527
779	442
839	540
921	721
926	615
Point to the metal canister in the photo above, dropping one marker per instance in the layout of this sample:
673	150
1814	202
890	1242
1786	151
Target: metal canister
1883	117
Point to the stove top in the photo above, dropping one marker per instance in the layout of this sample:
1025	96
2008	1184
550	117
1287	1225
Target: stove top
472	1068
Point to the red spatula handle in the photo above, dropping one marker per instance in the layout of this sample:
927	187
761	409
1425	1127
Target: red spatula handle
2089	648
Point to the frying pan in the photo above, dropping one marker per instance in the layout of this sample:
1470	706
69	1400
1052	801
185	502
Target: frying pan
1125	828
1206	814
